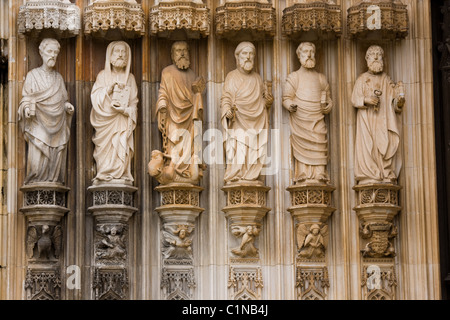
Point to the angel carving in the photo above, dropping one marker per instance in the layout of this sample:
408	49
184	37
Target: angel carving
44	240
112	246
248	234
312	241
176	241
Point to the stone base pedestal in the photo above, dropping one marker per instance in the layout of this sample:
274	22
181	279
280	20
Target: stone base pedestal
310	209
44	205
178	211
113	206
245	210
377	205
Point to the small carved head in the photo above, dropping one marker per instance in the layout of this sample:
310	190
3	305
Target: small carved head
180	55
183	230
314	229
374	58
45	228
49	50
306	52
245	56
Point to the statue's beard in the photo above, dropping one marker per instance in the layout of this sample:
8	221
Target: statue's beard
376	66
309	63
119	63
51	62
182	63
247	65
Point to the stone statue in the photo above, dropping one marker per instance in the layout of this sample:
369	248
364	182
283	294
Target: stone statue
244	114
179	107
378	101
307	97
176	242
45	240
112	245
113	116
247	247
45	116
312	241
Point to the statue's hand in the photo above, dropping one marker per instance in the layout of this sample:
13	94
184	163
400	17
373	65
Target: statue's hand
269	99
371	101
111	89
27	113
229	114
293	108
118	108
401	101
69	108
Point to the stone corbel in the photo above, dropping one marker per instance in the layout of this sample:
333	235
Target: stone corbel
310	209
178	211
245	20
312	21
113	206
44	205
245	210
61	16
377	205
385	19
169	18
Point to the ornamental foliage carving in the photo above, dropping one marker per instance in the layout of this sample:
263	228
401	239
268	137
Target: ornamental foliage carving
257	18
245	284
178	284
320	17
389	17
124	16
378	282
312	283
43	285
110	284
61	16
166	17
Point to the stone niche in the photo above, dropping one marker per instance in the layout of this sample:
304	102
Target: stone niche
59	16
380	19
245	20
312	21
114	19
180	20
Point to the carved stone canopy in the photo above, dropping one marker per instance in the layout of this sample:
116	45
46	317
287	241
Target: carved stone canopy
62	17
114	19
310	21
245	20
170	19
385	19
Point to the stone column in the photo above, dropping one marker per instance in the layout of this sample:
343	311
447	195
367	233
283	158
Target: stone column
44	205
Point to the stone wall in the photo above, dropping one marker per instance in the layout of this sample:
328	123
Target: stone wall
214	272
